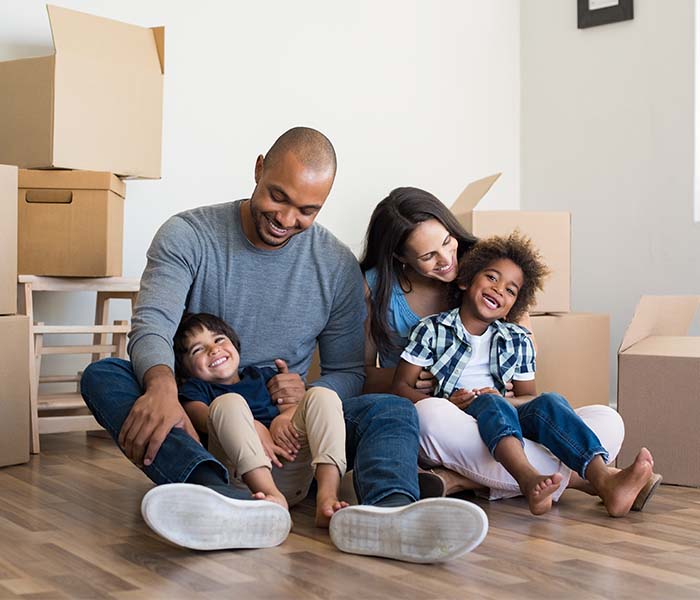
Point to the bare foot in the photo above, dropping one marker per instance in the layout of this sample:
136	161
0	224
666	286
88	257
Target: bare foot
326	508
538	491
619	490
276	498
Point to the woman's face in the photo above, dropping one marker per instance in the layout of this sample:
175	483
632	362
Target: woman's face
431	251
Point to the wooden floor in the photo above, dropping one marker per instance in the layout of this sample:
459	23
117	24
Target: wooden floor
70	527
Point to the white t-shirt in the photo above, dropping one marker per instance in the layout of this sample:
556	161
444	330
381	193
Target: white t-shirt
477	374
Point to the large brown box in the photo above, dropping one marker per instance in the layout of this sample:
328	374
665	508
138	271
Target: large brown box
573	352
659	387
14	390
8	240
549	231
71	223
95	104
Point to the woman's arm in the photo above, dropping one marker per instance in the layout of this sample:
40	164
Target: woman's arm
523	391
198	412
377	380
404	383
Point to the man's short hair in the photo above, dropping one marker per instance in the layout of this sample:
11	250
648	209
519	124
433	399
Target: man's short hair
311	147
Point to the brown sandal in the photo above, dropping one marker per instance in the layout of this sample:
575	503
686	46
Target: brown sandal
647	492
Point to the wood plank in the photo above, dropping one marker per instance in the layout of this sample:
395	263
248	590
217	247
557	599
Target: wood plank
70	526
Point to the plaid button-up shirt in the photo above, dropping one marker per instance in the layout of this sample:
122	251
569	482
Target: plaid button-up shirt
440	344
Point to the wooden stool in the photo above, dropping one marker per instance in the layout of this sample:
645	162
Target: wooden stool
67	411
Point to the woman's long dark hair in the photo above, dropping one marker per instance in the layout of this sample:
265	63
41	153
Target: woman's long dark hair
393	220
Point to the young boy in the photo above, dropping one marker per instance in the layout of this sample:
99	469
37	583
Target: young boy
472	352
246	430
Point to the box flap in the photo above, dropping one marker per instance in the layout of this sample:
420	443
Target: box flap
471	195
687	346
159	37
70	180
109	83
660	316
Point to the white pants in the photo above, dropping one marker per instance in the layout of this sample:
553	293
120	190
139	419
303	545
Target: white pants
450	437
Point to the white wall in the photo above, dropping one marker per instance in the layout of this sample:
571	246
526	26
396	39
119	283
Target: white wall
607	133
410	92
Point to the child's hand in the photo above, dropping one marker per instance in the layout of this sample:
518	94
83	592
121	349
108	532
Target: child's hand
272	450
284	433
462	398
487	390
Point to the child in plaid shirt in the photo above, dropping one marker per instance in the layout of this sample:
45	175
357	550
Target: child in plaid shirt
473	352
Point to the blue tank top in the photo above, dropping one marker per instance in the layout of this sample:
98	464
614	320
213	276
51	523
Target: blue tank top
400	318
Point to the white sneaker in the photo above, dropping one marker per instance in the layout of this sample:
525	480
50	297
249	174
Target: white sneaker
427	531
194	516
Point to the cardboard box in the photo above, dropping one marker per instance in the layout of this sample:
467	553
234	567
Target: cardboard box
659	387
14	390
95	104
71	223
573	353
8	240
549	231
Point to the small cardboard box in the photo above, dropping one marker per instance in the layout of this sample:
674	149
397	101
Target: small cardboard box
14	390
95	104
659	387
573	353
549	231
8	240
71	223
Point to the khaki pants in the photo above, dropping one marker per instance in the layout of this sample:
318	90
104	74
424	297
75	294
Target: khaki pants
319	421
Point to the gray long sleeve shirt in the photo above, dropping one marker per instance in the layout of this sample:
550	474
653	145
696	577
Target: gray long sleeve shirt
280	302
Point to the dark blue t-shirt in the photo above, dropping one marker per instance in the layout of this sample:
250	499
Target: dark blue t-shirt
252	386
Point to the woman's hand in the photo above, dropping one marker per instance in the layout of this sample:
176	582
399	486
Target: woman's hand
426	382
509	390
462	398
284	433
272	450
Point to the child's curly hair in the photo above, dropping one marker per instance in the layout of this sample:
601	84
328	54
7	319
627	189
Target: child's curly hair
515	247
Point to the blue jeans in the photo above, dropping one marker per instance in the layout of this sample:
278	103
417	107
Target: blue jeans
381	442
548	419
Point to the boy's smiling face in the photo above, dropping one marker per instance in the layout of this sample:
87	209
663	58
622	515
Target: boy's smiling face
211	357
493	291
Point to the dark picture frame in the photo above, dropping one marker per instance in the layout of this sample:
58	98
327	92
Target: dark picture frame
622	11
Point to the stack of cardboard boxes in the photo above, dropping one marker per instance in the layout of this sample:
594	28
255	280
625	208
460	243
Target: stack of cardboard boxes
572	348
75	122
14	333
94	107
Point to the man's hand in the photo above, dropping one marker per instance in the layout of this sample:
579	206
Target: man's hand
284	433
426	382
152	417
286	387
462	398
272	450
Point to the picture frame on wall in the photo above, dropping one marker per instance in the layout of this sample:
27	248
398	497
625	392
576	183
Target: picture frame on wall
601	12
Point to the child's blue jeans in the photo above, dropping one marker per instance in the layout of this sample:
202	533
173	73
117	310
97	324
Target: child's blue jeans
547	419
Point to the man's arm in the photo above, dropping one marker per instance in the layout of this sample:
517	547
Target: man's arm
341	343
172	260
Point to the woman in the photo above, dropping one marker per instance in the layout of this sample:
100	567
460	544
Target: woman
412	249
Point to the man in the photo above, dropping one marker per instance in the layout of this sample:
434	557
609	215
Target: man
284	283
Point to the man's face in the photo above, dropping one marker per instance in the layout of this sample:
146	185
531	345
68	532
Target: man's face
287	197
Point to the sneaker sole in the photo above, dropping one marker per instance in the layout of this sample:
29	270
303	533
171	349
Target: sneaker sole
193	516
428	531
